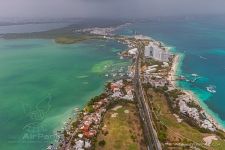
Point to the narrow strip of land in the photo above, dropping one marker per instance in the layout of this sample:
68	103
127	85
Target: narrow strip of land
145	113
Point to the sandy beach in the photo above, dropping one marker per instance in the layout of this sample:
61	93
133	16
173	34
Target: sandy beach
172	73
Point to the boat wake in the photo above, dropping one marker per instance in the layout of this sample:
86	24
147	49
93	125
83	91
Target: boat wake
194	75
202	57
211	89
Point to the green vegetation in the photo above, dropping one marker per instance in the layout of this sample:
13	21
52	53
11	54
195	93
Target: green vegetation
74	124
74	39
165	117
174	93
89	109
162	136
124	130
101	143
150	62
169	130
96	99
65	134
218	145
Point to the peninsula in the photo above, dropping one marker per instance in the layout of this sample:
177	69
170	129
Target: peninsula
167	116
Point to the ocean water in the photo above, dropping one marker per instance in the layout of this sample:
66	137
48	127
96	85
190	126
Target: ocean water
41	83
34	27
201	43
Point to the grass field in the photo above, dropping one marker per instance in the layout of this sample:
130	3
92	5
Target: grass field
75	39
71	40
121	130
178	132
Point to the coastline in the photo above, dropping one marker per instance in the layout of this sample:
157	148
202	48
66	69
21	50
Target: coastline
175	64
88	118
172	79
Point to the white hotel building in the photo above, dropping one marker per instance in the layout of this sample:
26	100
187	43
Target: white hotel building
157	53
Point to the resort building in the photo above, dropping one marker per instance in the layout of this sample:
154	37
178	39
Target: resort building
154	51
133	51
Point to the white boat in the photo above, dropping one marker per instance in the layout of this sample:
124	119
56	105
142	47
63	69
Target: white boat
194	75
211	89
114	74
76	109
50	147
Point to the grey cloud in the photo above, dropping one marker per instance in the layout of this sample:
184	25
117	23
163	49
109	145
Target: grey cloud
108	8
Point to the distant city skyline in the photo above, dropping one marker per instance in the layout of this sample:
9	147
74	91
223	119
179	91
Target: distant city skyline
108	8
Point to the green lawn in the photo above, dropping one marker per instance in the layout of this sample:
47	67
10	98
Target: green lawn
179	132
218	145
124	131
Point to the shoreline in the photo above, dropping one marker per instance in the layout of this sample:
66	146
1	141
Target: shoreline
171	78
88	118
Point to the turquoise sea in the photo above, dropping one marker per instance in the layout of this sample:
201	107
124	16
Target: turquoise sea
201	43
32	27
41	83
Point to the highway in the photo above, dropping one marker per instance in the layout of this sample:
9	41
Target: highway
144	110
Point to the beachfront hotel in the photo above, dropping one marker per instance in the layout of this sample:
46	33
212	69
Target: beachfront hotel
154	51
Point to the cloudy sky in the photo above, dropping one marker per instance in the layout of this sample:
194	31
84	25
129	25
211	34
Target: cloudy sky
108	8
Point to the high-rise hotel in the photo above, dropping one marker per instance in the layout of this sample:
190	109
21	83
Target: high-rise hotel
154	51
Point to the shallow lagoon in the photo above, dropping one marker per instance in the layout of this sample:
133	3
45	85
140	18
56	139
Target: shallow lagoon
41	82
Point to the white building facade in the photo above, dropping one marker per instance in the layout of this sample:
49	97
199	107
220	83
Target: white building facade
155	52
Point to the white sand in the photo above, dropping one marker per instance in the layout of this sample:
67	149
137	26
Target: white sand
209	139
179	120
117	107
126	111
172	73
114	115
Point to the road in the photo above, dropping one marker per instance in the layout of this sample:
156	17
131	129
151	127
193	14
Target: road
144	110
